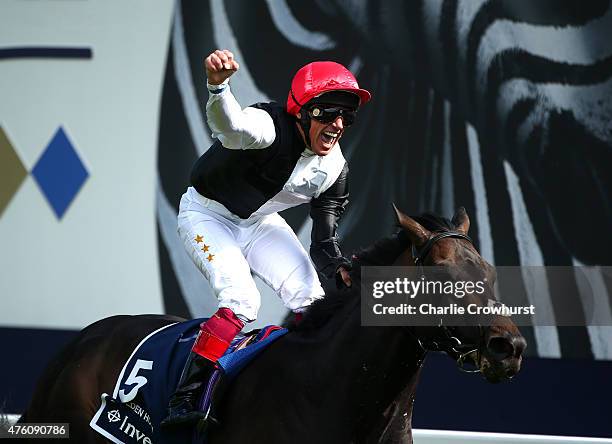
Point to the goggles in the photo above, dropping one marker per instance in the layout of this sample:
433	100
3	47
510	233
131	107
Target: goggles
329	114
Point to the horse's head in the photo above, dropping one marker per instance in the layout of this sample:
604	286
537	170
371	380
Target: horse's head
495	345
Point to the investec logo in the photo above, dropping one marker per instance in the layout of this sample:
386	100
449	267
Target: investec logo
59	172
130	430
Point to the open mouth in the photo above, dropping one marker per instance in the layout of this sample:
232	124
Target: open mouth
329	138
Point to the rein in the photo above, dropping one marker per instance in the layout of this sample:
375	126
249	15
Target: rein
445	340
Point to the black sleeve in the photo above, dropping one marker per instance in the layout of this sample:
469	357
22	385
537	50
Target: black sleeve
325	212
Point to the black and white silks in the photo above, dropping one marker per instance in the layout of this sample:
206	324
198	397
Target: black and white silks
259	165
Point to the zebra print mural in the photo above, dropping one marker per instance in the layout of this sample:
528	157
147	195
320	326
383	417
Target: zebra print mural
502	106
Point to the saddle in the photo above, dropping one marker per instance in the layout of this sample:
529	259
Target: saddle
132	413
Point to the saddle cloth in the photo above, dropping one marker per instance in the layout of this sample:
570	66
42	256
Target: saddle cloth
132	413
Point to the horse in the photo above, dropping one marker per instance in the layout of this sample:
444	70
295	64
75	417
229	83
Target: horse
328	380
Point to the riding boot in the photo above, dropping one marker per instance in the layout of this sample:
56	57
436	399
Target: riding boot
183	405
214	338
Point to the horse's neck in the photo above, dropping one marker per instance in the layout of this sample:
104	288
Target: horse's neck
360	371
339	382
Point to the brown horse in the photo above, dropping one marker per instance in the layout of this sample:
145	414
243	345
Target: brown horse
329	380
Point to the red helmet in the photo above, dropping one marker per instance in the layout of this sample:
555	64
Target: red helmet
320	77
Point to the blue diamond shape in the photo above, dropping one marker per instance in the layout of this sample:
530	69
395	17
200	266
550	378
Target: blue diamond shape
59	172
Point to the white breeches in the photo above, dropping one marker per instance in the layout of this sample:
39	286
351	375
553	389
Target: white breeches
227	248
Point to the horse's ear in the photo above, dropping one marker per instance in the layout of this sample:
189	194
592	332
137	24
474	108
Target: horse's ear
416	232
461	220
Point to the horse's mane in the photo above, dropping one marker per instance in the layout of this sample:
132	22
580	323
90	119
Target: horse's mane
382	252
435	223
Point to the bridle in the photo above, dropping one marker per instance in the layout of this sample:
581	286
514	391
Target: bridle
419	255
444	340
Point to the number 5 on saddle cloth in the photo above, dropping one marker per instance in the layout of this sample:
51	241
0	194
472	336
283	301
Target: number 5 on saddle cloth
149	377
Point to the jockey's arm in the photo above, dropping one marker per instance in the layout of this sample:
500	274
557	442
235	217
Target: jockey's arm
325	212
237	128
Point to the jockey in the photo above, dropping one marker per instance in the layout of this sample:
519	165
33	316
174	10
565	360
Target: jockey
266	158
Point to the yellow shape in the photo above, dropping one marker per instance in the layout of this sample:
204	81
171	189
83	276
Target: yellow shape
199	239
205	248
210	257
12	171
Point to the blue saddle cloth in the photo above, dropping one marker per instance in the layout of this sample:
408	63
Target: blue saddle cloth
132	413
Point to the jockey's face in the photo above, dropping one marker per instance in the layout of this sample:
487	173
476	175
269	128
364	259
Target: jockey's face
323	136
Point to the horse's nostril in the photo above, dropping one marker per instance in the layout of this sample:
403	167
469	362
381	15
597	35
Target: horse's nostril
500	348
511	372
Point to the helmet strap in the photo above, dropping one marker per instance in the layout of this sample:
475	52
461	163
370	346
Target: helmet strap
304	120
305	124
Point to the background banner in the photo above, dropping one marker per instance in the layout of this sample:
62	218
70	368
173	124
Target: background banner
500	106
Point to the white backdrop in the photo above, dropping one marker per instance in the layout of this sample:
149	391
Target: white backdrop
101	257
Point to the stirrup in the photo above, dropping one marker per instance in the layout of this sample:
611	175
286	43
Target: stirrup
203	424
206	400
186	419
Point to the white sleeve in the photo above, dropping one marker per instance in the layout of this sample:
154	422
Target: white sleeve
237	128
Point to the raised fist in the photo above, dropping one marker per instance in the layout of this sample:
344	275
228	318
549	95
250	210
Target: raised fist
219	66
